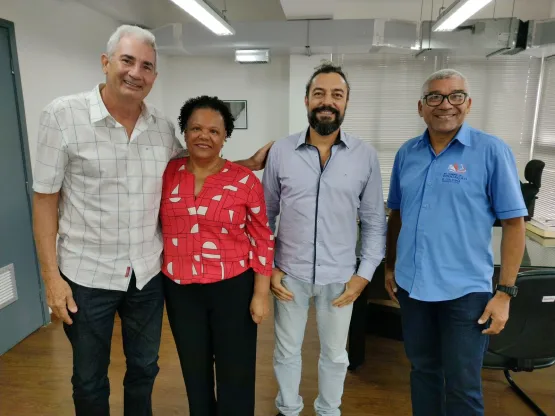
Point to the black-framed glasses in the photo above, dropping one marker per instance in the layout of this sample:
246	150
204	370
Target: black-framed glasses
435	99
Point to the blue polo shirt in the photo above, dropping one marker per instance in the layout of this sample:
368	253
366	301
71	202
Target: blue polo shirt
448	205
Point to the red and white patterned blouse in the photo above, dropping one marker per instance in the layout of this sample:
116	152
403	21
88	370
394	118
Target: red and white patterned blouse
219	234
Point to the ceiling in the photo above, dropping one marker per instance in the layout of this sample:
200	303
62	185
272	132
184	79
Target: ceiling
277	24
156	13
409	9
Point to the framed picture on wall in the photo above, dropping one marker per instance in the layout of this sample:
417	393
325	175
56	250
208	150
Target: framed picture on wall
238	109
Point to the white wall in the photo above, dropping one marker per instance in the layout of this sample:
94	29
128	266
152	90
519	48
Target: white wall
59	44
552	14
264	86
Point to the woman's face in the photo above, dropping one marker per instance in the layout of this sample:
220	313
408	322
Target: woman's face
205	133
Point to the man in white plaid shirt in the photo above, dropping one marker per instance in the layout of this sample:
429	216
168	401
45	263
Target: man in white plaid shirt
97	181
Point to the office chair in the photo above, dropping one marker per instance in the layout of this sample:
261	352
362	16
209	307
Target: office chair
533	174
527	342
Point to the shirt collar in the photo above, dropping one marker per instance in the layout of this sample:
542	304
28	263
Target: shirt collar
98	110
462	136
342	138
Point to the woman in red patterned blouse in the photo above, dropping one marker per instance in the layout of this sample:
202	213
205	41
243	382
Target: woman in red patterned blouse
218	255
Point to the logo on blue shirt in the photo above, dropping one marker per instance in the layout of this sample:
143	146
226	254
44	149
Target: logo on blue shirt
455	173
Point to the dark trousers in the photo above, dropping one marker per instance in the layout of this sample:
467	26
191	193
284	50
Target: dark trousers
212	324
446	347
90	335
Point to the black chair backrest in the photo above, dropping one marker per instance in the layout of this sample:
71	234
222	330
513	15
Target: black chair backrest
533	172
529	194
530	331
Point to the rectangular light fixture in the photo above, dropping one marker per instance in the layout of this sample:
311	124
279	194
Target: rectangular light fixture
459	12
206	15
252	56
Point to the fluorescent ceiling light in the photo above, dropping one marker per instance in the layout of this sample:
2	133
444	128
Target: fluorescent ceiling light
252	56
459	12
206	15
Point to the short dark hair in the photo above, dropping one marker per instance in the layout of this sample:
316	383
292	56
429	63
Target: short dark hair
204	101
328	68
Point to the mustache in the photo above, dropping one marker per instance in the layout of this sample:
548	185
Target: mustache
325	108
326	126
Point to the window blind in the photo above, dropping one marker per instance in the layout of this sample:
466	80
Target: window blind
385	90
383	105
544	146
504	93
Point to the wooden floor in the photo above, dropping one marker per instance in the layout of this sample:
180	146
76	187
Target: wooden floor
35	379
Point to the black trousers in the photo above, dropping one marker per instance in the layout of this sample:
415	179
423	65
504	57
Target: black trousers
211	324
141	313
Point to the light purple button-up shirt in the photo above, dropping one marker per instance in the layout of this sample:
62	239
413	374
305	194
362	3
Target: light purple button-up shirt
318	208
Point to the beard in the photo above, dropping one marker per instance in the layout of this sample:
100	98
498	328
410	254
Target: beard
326	126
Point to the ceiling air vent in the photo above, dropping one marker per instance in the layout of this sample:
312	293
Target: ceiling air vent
517	41
252	56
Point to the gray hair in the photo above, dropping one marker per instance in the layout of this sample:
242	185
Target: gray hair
444	74
132	31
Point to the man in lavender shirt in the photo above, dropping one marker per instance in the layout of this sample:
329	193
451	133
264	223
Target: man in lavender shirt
319	181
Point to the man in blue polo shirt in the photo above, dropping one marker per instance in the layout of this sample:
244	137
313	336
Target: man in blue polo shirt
447	188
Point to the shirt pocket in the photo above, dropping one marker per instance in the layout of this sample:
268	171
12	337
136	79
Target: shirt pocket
347	185
95	160
161	153
461	183
154	159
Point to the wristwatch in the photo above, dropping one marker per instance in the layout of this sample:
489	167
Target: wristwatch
509	290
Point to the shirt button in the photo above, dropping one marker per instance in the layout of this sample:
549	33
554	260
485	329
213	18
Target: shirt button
425	205
429	183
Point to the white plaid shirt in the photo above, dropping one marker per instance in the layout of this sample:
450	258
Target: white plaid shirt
110	189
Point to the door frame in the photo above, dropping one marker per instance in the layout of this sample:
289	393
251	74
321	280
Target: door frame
26	160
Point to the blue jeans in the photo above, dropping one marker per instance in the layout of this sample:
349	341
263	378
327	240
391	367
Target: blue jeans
333	328
446	347
90	335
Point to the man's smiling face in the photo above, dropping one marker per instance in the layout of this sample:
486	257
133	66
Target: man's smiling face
446	117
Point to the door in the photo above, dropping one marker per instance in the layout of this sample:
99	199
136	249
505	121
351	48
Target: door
22	309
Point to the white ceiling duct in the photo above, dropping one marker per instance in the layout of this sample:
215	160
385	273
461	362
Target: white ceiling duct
483	37
286	37
542	39
486	37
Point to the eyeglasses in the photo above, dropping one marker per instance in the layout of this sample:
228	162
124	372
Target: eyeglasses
455	98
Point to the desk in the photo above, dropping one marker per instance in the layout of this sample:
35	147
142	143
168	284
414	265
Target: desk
536	256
